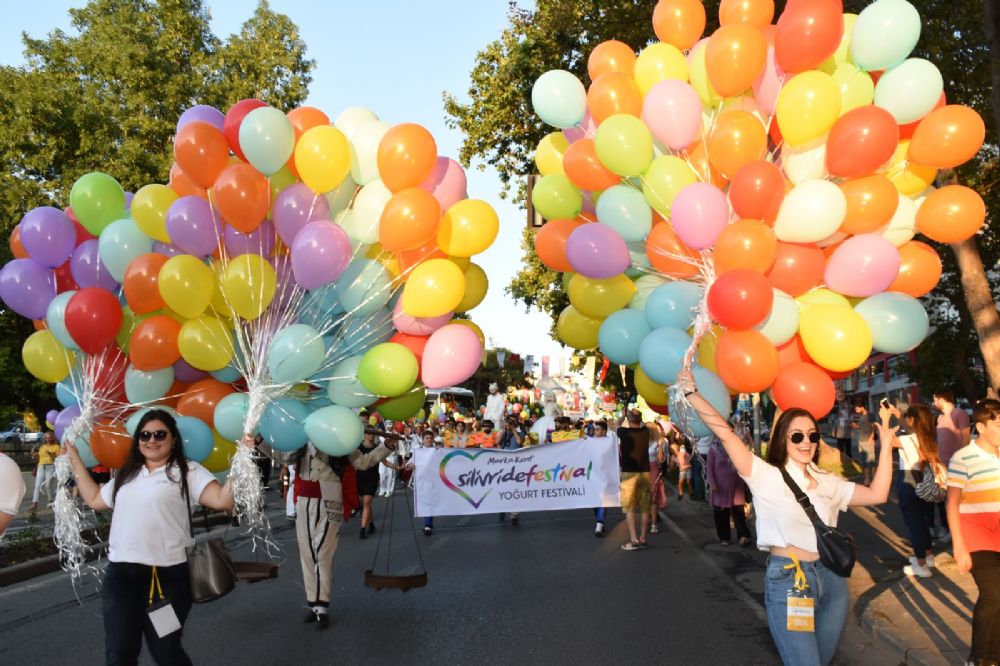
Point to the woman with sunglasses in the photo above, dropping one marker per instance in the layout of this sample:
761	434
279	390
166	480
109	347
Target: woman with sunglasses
151	498
794	569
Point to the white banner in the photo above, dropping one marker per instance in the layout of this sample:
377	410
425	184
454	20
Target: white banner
579	474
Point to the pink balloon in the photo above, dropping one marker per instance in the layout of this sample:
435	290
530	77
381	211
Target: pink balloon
586	128
863	265
447	182
699	214
417	325
452	354
672	110
768	84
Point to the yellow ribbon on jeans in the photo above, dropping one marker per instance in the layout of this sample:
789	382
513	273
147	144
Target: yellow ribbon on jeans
800	575
154	583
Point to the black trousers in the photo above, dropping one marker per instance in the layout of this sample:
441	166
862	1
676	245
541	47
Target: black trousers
722	522
125	598
986	615
844	445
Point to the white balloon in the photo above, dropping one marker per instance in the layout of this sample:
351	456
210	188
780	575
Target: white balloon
644	286
783	321
903	226
804	163
352	119
362	223
364	151
812	211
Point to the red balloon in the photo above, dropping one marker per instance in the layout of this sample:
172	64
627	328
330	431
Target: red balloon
81	232
797	268
792	352
757	190
93	317
740	299
808	33
415	343
746	360
805	386
111	365
234	118
64	279
861	141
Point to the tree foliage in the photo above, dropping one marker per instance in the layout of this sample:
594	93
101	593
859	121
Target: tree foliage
107	97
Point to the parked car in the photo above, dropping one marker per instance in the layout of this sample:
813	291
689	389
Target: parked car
18	433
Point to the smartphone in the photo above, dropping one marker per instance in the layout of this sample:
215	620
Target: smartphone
884	403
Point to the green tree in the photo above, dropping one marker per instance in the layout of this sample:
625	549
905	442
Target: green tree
509	375
107	97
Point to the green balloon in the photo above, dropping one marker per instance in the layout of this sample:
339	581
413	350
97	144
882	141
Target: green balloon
97	200
404	406
624	145
556	198
388	369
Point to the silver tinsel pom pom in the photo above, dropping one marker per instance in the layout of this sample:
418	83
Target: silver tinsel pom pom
248	495
68	531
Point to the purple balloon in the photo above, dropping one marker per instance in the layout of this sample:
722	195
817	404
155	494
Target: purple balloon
700	213
597	251
87	268
204	113
51	416
259	241
192	227
166	249
285	291
48	236
64	420
27	287
294	207
128	200
320	253
183	372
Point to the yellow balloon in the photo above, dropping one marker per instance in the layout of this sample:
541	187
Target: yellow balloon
206	343
856	87
435	287
248	283
45	357
843	53
468	323
577	330
220	306
599	298
279	181
821	296
835	337
663	181
186	284
652	392
467	228
706	348
149	210
808	106
699	77
222	452
659	62
323	158
124	335
476	285
910	179
549	154
461	262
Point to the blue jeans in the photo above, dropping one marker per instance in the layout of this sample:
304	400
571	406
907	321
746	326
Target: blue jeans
599	514
429	521
697	480
918	516
831	598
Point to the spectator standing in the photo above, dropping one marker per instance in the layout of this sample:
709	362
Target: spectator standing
842	432
727	496
701	448
600	512
682	455
11	491
45	472
428	442
865	427
953	433
656	457
974	510
367	479
636	486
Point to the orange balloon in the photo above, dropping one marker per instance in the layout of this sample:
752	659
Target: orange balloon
919	269
153	344
141	283
951	214
697	156
871	203
755	12
793	351
242	196
409	220
662	245
797	268
15	244
613	93
585	170
906	131
406	156
947	137
201	151
39	324
747	361
745	244
182	184
408	259
201	398
737	139
110	444
177	390
550	243
735	57
808	33
862	140
757	190
304	118
679	22
611	56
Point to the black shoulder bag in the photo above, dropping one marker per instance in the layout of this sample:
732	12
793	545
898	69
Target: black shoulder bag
212	572
837	550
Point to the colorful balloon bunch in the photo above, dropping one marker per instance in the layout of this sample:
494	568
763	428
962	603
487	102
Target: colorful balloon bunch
746	203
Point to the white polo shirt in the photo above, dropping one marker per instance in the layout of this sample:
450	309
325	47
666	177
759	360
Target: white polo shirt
150	520
781	521
11	486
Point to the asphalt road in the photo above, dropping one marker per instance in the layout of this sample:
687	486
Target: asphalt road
545	591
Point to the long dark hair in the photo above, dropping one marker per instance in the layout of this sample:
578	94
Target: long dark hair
925	429
136	460
777	448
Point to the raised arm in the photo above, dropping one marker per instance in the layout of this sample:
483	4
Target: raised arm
738	452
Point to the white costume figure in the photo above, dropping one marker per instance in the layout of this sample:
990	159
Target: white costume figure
546	423
496	406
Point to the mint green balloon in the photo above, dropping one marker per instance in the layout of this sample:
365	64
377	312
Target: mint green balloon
898	322
230	415
146	386
559	98
267	139
884	34
624	145
296	352
910	90
97	200
344	387
334	430
120	243
556	198
783	321
388	369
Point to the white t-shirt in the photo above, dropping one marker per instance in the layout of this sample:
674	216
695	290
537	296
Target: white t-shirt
704	445
781	522
11	486
654	450
909	452
150	520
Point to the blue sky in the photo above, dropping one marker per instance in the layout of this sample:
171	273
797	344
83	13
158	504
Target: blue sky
395	57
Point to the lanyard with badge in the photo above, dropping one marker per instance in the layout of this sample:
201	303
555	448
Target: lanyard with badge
801	606
161	614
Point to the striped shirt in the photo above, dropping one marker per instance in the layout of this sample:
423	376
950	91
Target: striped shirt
977	474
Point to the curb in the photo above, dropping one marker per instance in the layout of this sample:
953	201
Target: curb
876	624
39	567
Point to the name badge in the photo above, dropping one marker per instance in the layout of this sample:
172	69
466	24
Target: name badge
801	613
163	618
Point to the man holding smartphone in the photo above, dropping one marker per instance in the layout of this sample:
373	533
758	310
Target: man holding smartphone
866	439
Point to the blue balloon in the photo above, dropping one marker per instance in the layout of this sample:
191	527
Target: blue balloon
282	425
673	304
83	448
65	393
898	322
625	210
230	415
228	374
713	389
621	334
344	387
334	430
55	319
196	436
146	386
295	353
359	334
661	354
363	288
320	307
120	243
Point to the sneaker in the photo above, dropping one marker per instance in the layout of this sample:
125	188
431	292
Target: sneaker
428	531
653	529
313	616
322	620
929	560
599	530
914	569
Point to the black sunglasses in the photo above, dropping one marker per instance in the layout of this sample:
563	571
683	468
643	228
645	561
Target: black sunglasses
797	437
158	435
